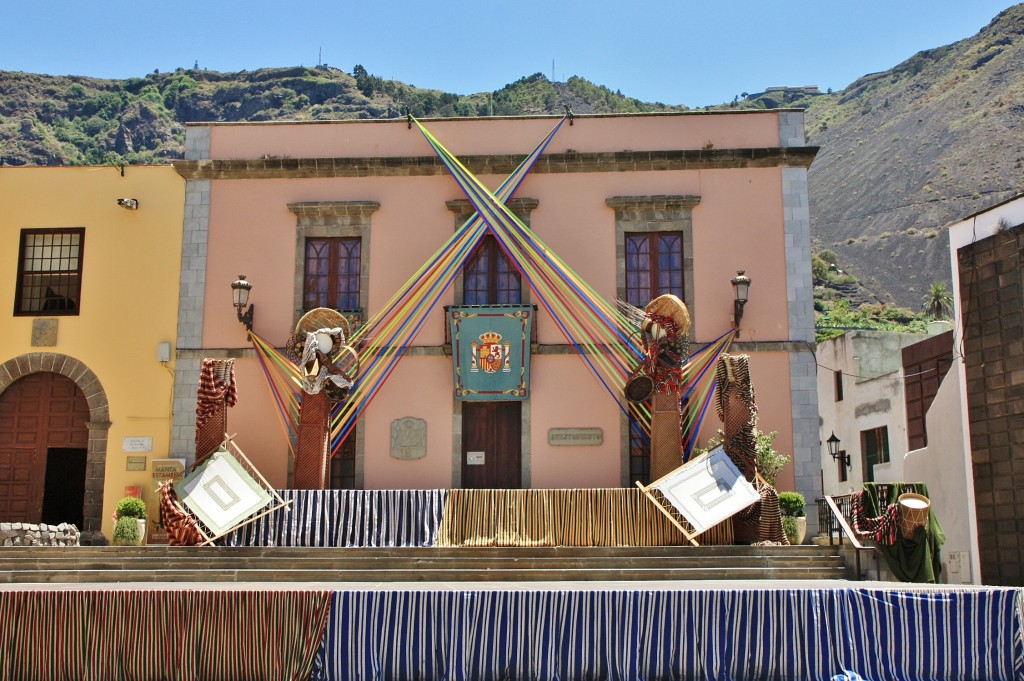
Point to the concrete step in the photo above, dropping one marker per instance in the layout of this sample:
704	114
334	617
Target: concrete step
459	551
448	564
427	575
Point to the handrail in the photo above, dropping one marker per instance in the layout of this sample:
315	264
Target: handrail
839	518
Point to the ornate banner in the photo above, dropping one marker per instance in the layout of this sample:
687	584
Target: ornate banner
491	351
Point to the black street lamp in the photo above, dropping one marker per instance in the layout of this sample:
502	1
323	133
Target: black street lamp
740	289
240	293
833	450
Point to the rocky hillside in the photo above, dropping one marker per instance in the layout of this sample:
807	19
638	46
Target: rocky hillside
903	152
907	151
58	120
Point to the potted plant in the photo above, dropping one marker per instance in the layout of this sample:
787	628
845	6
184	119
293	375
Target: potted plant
126	532
131	508
794	522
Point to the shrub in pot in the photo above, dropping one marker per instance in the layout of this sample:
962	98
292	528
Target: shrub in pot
134	509
126	531
791	504
131	507
791	526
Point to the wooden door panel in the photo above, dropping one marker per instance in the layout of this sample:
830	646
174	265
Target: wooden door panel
38	411
19	485
494	428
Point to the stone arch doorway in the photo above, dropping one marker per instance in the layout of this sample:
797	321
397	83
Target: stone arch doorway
53	409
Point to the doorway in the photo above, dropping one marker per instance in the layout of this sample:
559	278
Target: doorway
492	445
64	487
43	446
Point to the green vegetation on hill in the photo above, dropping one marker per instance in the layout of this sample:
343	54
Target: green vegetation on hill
840	305
70	120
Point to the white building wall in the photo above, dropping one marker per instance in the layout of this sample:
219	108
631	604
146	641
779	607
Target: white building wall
962	233
942	466
873	396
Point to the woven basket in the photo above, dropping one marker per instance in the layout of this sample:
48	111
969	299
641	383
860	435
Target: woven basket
639	388
322	318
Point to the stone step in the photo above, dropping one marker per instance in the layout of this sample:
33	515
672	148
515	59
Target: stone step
426	564
426	575
409	563
453	551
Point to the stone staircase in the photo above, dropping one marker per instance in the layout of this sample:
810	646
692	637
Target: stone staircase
166	564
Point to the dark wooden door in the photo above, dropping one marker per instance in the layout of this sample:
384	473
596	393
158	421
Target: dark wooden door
492	431
38	412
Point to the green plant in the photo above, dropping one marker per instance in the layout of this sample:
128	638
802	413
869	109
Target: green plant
791	504
791	528
769	462
938	302
130	507
126	531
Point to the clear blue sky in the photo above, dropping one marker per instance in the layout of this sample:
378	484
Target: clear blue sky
671	51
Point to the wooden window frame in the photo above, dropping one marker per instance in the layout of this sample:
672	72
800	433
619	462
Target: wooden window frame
656	283
874	439
498	278
68	281
334	275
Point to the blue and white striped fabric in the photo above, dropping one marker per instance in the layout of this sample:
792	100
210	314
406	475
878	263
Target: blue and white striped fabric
351	518
721	635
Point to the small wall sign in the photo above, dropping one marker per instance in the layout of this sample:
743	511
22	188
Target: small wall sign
474	458
575	437
135	463
168	469
137	444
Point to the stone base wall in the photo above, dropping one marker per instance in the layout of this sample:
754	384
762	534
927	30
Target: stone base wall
30	534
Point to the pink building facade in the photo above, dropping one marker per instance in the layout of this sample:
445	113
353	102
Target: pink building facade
729	188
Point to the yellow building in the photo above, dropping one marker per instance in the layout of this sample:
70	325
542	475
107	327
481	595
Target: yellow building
89	285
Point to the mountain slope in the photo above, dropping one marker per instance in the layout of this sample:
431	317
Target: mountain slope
903	152
907	151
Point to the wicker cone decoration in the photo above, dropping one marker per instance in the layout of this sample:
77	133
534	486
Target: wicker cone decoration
672	307
761	522
319	347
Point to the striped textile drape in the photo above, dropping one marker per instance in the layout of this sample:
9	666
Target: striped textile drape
140	635
554	517
391	517
720	635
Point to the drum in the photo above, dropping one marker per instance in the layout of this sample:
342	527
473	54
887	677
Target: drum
913	510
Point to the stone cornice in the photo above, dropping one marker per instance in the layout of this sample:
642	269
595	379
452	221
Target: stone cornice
655	202
518	205
334	208
405	166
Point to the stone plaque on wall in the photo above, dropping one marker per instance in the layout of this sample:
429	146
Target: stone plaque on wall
44	333
408	438
137	444
575	437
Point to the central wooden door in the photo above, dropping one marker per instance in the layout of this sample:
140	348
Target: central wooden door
42	416
492	445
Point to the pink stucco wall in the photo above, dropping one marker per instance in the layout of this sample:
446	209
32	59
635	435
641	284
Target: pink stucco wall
738	224
420	388
738	220
566	395
495	135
